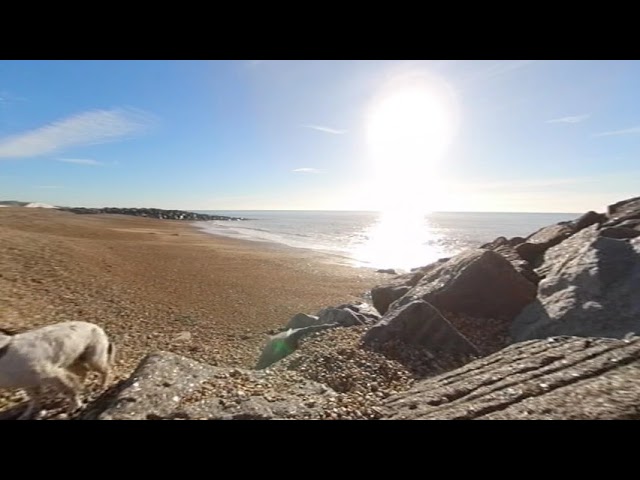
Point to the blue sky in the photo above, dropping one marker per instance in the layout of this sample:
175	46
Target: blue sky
555	136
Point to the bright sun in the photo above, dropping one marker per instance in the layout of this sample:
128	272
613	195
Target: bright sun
409	129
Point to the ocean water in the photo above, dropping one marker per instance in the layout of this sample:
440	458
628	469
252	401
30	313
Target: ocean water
371	239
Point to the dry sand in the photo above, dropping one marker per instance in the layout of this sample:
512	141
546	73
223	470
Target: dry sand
160	284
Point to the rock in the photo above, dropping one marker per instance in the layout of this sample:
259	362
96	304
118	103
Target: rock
366	310
169	386
301	320
419	323
385	295
590	288
477	282
498	242
285	343
390	271
539	242
589	219
560	378
523	267
515	241
344	317
635	224
619	232
624	210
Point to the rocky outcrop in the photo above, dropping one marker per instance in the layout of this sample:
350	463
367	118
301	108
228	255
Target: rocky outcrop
619	232
477	282
539	242
588	219
167	386
590	288
558	378
624	210
385	295
150	213
302	320
419	323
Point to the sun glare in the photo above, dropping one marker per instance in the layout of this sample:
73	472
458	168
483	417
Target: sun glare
409	128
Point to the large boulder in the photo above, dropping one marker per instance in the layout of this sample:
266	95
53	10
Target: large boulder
590	288
478	282
624	210
588	219
385	295
419	323
558	378
540	241
619	232
169	386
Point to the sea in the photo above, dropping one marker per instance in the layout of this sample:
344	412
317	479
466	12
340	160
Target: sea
397	240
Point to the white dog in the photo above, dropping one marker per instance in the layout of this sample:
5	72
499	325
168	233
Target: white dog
57	355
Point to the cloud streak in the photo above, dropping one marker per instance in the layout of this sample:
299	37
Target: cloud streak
570	119
625	131
322	128
87	128
306	170
81	161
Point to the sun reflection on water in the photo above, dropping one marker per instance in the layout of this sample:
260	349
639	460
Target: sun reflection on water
400	240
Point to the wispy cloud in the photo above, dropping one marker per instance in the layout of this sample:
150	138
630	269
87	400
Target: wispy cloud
87	128
625	131
48	186
306	170
570	119
321	128
496	69
81	161
7	97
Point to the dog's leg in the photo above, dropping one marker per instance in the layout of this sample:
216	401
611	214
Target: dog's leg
69	384
34	403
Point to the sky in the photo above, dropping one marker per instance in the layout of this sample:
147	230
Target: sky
503	136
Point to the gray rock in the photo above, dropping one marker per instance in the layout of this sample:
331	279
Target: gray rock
285	343
559	378
635	224
419	323
590	288
628	209
540	241
301	320
385	295
169	386
619	232
390	271
478	282
344	317
589	219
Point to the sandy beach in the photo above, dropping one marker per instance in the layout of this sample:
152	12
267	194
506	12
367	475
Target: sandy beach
160	285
